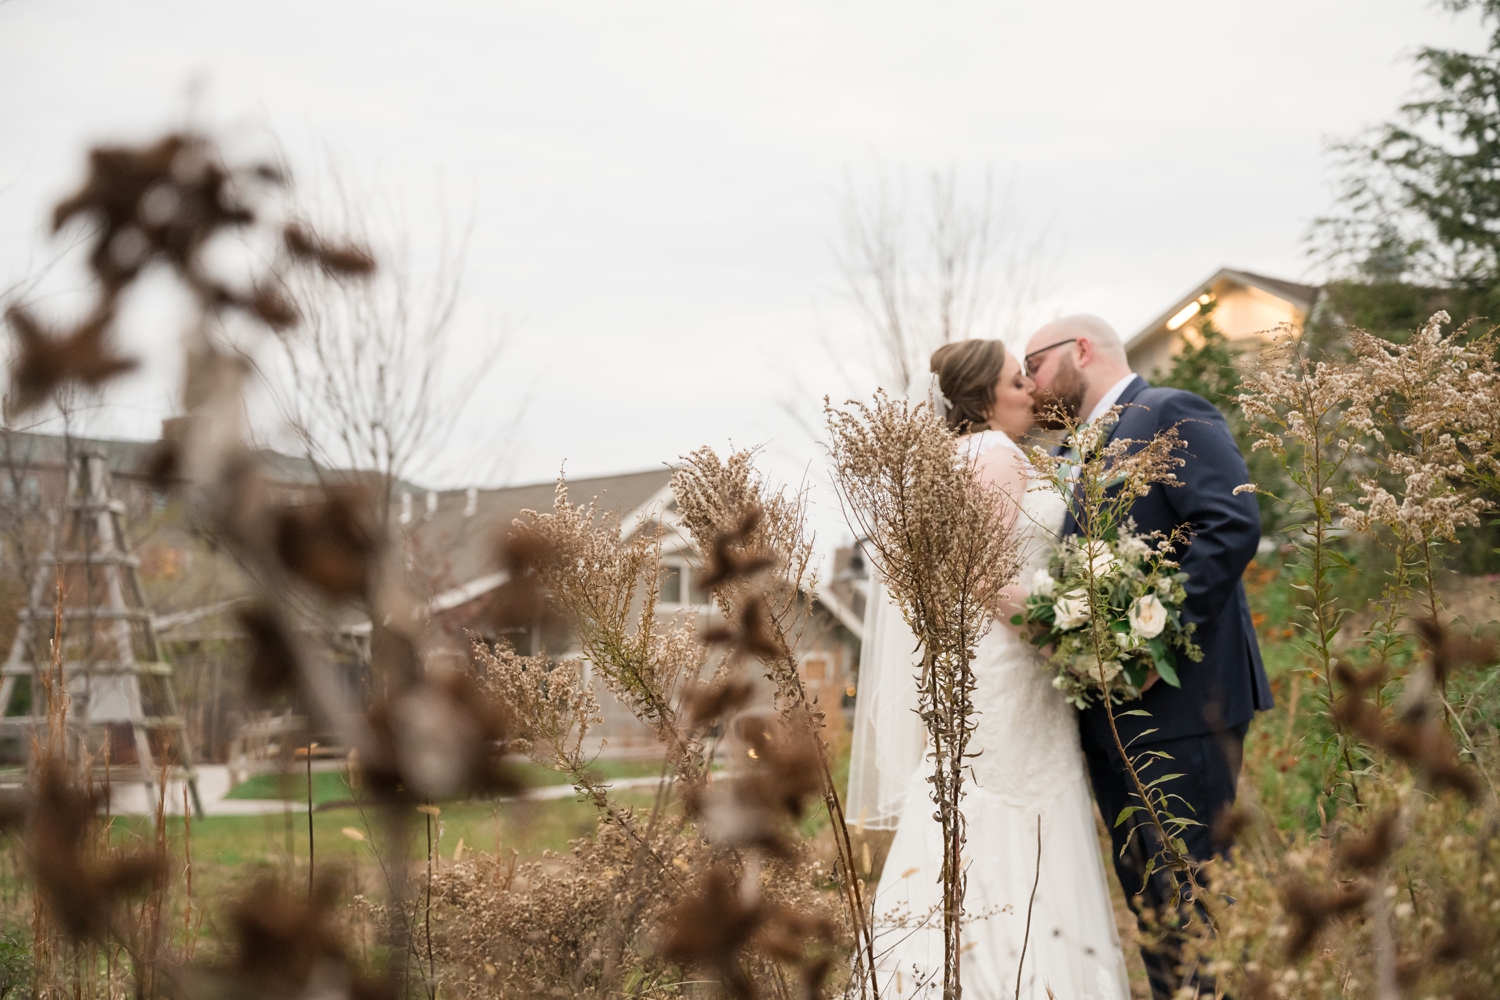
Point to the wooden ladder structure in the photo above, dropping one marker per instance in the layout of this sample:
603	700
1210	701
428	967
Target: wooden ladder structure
112	664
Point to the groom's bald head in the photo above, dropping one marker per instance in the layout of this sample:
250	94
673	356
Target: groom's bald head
1075	360
1106	343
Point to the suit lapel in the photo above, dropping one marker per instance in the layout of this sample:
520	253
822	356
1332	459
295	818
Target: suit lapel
1134	388
1137	386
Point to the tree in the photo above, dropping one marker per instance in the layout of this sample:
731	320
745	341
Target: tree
374	381
956	267
1419	198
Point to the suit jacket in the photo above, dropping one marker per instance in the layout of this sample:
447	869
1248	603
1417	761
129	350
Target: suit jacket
1228	686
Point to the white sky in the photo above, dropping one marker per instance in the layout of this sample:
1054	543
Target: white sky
654	183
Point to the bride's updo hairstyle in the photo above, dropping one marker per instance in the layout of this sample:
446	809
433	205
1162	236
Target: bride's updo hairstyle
968	372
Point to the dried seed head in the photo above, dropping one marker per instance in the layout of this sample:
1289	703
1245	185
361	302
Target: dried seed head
329	544
346	259
1368	851
273	307
1461	937
163	465
1311	909
1228	825
439	738
781	768
751	634
522	602
711	928
286	940
46	360
725	562
707	704
82	889
1422	741
273	664
1449	650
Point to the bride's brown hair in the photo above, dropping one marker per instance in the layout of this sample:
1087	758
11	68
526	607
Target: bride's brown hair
968	372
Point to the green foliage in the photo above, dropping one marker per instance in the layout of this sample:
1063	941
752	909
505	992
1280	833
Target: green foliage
1389	309
1207	365
1420	195
15	963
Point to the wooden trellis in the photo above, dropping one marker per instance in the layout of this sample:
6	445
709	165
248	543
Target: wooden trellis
123	705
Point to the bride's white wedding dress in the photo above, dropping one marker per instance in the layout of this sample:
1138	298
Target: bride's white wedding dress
1028	767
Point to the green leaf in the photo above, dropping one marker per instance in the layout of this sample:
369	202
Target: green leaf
1156	781
1126	813
1168	671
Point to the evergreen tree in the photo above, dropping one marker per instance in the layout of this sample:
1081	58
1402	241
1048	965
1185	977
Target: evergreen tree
1419	200
1208	367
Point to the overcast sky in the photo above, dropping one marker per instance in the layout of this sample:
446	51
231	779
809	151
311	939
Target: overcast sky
654	185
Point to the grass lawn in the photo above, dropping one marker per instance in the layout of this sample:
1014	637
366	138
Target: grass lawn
526	827
332	786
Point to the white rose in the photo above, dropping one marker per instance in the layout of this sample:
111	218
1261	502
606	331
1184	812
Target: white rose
1148	617
1042	583
1087	668
1071	610
1101	559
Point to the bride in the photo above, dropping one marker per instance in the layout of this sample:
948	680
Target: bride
1028	787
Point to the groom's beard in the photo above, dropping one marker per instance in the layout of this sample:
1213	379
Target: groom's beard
1063	398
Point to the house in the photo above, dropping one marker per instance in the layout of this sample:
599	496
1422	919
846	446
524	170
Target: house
450	537
1246	305
452	542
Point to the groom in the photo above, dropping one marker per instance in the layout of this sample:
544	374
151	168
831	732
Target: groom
1078	362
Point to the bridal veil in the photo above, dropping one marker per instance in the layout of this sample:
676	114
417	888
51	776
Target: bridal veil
889	740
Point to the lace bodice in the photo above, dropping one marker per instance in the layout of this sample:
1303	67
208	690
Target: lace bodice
1027	737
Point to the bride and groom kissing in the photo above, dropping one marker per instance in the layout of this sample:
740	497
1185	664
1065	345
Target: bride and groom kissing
1036	756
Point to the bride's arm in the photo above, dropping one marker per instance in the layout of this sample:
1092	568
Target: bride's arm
1012	602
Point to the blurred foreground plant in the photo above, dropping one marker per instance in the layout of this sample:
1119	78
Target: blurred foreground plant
1392	894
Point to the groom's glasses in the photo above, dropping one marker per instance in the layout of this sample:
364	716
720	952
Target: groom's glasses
1029	364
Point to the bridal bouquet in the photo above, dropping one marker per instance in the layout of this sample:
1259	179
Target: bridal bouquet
1136	587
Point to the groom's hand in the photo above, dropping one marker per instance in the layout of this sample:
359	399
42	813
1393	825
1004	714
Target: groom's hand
1151	679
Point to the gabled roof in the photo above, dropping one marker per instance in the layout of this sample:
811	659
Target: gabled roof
127	458
1302	297
455	544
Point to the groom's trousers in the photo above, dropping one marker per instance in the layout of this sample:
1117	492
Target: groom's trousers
1209	769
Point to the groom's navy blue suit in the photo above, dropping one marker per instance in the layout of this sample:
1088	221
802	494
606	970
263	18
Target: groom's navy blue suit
1202	724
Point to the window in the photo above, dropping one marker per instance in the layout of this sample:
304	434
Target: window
678	585
669	587
696	591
